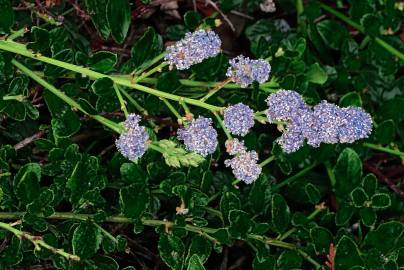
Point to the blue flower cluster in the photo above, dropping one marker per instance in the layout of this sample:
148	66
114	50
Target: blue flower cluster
245	71
200	45
193	49
132	143
324	123
199	136
238	119
244	164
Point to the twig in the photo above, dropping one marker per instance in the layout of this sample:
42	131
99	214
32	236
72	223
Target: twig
213	4
29	140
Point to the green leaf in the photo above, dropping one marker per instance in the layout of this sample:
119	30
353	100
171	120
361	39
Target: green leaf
316	74
269	263
26	182
98	14
334	39
200	246
385	132
313	193
133	173
102	61
6	16
86	240
240	224
380	201
359	197
66	125
171	250
351	99
146	48
195	263
348	172
369	184
119	19
344	214
289	259
41	37
192	19
372	24
133	200
65	55
368	216
228	202
103	87
280	213
321	238
386	237
347	254
105	262
259	194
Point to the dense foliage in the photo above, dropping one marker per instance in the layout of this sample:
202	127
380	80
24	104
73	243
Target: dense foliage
80	80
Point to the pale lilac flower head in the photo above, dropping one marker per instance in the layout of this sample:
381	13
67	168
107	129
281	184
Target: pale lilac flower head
329	119
234	147
199	136
292	139
357	125
132	143
238	119
244	166
285	105
245	71
193	49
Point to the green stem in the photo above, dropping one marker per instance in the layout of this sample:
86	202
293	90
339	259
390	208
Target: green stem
17	34
5	174
215	90
359	27
267	161
150	222
172	109
330	173
300	10
121	101
151	71
37	241
108	123
133	101
150	63
294	177
226	131
21	50
383	149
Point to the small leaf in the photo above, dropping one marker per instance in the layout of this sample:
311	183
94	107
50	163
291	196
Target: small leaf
369	184
388	236
344	214
280	213
171	250
119	19
313	193
359	197
332	38
347	254
195	263
351	99
192	19
348	172
322	238
26	182
103	87
289	259
316	74
6	16
133	200
103	61
228	202
385	132
368	216
86	240
98	14
146	48
200	246
240	224
381	201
